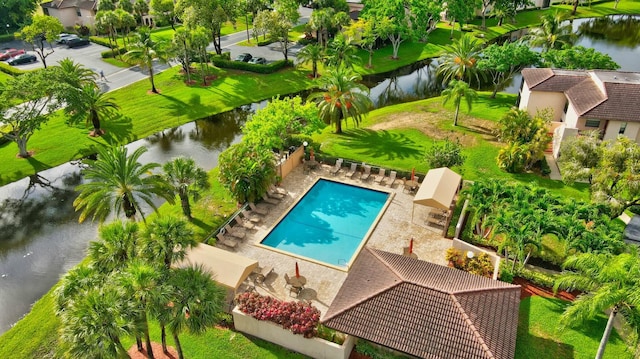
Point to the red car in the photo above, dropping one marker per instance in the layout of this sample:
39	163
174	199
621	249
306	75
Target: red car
9	53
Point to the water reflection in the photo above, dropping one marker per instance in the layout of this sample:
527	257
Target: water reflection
411	83
621	30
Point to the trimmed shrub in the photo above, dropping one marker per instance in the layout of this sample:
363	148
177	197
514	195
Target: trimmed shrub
8	69
261	69
506	274
110	53
445	154
7	37
101	41
298	317
534	277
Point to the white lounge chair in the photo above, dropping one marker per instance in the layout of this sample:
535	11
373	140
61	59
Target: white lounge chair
250	216
352	170
391	179
234	232
226	241
378	179
269	199
335	169
246	224
259	210
276	189
272	194
367	173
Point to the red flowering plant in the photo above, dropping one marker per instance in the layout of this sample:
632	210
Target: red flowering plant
298	317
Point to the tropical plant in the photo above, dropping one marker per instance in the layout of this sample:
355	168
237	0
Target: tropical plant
608	283
186	179
503	61
456	91
342	52
392	21
526	139
246	171
460	60
552	33
312	53
120	182
364	33
107	22
195	302
116	247
579	58
88	102
445	154
144	50
75	74
165	241
341	97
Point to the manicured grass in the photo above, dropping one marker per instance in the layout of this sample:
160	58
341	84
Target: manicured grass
294	35
402	146
539	336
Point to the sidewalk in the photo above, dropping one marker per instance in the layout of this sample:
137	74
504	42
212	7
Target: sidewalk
553	165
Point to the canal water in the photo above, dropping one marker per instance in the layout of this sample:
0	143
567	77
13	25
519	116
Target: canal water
40	238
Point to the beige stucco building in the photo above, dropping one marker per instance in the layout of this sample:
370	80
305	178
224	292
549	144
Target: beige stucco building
584	100
72	12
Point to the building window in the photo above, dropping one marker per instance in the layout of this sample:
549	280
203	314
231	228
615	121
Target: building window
566	107
78	12
623	127
592	123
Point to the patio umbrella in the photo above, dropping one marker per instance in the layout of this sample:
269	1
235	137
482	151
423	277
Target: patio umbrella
413	173
411	246
297	271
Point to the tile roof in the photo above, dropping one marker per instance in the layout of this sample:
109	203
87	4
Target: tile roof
618	102
424	309
65	4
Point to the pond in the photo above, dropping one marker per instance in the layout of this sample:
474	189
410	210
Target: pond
40	238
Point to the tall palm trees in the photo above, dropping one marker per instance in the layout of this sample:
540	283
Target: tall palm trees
552	34
118	181
609	283
460	60
186	179
456	91
312	53
341	97
144	50
93	104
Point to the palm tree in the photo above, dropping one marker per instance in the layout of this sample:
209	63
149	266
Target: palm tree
608	283
116	247
552	34
90	103
144	50
460	60
76	74
77	280
456	91
119	182
187	179
342	97
342	52
196	301
166	240
312	53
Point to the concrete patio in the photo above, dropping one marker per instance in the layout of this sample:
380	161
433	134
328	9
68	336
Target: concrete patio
392	234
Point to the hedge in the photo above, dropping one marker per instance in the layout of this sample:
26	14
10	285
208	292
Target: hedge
101	41
261	69
7	37
535	277
8	69
110	53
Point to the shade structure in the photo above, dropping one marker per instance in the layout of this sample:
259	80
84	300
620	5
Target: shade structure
438	189
227	269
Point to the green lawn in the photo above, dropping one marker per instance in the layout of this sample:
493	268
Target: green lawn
539	336
402	145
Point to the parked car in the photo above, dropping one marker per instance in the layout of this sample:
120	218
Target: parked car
244	57
258	61
22	59
9	53
76	42
62	38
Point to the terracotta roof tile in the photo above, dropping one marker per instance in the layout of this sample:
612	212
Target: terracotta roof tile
585	95
424	309
534	76
622	103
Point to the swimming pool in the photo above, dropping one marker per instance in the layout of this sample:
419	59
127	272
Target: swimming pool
330	223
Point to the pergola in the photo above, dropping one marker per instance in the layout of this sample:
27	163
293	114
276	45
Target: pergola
227	269
438	189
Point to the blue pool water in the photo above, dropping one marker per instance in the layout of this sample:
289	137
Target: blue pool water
328	223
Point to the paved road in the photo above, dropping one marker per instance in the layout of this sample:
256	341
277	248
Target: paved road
117	77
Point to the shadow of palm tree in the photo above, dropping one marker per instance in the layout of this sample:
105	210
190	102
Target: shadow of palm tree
382	144
118	129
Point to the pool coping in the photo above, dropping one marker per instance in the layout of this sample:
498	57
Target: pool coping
363	242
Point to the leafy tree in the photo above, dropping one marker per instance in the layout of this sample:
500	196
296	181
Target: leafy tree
278	23
43	29
211	14
552	34
144	50
246	172
187	179
91	104
391	21
312	53
196	301
17	13
141	8
125	22
526	139
611	167
106	5
607	282
274	125
445	154
503	61
200	41
107	22
462	11
364	33
486	4
342	52
119	182
35	91
164	11
181	49
342	96
456	91
578	58
424	17
460	60
321	21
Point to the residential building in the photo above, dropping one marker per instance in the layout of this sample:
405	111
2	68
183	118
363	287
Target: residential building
582	100
72	12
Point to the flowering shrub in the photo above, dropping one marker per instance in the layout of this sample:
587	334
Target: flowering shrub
479	264
298	317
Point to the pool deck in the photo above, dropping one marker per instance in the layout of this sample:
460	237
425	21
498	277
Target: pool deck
392	234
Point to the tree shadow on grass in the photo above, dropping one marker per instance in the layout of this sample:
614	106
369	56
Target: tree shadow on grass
194	108
529	345
382	144
118	130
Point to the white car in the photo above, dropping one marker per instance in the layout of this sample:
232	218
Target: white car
64	37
